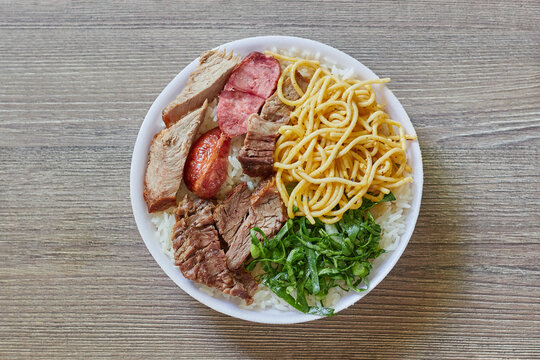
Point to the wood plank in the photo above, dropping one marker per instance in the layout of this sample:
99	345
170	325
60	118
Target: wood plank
76	280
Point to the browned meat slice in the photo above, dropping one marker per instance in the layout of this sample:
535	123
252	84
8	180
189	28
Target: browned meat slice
198	254
205	82
276	111
269	210
232	213
166	160
266	211
240	244
257	154
234	221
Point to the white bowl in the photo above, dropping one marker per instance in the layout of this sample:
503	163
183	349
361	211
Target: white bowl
152	124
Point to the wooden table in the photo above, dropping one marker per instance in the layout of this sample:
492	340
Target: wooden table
76	80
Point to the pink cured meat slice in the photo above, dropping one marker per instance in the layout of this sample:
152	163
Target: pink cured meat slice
234	109
257	74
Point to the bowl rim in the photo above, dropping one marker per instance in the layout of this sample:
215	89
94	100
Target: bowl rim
151	126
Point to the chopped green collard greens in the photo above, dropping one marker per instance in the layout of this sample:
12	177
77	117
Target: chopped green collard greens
305	259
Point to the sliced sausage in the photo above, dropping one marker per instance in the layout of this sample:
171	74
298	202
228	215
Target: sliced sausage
206	164
257	74
250	84
234	109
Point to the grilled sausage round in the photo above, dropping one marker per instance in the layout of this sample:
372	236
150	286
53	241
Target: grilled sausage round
206	164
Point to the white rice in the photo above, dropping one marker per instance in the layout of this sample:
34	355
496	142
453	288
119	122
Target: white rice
390	216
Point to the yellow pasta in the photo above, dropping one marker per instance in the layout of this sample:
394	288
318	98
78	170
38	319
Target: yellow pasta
339	147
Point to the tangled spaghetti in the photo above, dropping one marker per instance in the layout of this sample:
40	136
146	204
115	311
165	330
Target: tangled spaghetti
339	147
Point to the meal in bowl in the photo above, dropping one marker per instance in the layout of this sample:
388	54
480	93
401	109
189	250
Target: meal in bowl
277	180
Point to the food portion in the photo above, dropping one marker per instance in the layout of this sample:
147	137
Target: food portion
243	210
276	110
232	213
257	75
296	181
340	147
206	165
206	82
198	253
313	259
166	160
234	108
250	84
257	154
267	208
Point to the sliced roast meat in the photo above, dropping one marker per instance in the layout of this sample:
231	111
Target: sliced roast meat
240	244
270	213
265	211
205	82
234	223
245	285
257	154
232	212
198	254
257	75
234	109
206	165
167	158
275	110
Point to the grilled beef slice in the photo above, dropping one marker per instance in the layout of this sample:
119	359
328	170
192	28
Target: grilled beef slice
263	209
257	154
232	213
198	254
266	205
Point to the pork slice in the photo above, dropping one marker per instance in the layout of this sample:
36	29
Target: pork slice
268	208
275	110
257	154
234	109
257	74
198	254
232	212
166	160
205	82
266	212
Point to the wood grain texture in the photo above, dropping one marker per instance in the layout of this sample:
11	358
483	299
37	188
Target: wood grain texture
76	80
